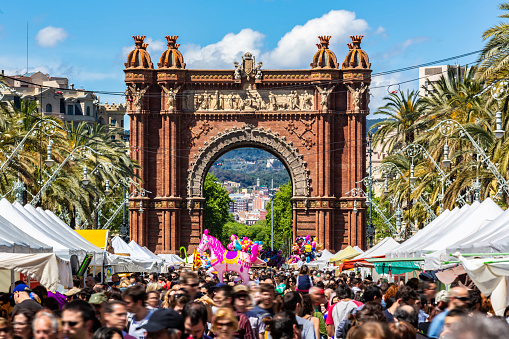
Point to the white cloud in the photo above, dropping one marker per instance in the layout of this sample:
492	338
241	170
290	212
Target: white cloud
379	89
223	53
296	48
154	45
380	30
50	36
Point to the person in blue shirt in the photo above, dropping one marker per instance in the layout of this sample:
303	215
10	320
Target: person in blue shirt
458	298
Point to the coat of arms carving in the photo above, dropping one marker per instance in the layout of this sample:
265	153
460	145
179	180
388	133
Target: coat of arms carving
247	68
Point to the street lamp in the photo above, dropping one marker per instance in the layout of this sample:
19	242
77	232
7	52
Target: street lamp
446	162
85	180
49	161
412	174
107	189
499	132
355	206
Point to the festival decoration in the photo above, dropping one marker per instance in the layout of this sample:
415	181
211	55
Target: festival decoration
243	245
305	249
223	260
273	258
196	260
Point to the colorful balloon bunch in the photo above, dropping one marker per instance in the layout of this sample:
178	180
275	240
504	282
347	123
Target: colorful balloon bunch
305	249
273	258
243	245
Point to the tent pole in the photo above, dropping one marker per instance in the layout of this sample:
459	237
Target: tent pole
102	269
12	280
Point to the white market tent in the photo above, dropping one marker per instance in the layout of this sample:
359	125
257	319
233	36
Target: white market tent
406	249
142	252
171	259
493	238
51	270
322	261
479	216
135	262
13	240
386	245
399	251
28	226
358	249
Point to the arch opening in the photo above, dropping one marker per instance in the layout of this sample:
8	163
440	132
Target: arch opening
248	136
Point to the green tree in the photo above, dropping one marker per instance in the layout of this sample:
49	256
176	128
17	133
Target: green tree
283	214
494	58
402	111
217	203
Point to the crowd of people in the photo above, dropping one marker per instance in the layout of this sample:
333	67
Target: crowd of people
276	303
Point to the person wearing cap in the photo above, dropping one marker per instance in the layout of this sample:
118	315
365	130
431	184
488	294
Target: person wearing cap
458	298
223	297
72	293
241	301
164	324
97	300
21	296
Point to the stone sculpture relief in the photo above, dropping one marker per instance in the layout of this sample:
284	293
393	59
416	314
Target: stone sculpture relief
324	96
356	95
171	94
248	100
136	93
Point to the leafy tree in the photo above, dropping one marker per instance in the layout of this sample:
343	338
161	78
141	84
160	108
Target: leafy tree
257	232
217	203
494	58
283	214
402	111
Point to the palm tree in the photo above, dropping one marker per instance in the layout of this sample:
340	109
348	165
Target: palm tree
402	111
494	58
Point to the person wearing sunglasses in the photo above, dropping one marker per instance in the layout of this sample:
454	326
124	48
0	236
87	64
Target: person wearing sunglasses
78	320
225	324
190	283
458	298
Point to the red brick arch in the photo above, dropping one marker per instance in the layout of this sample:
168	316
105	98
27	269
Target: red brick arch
313	120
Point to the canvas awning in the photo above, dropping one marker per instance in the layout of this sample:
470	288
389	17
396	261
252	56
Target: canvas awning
98	238
347	253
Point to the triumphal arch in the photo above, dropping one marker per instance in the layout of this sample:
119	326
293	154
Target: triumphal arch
182	120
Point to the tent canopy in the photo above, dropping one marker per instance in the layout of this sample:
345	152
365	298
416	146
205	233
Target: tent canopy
493	238
347	253
13	240
386	245
479	216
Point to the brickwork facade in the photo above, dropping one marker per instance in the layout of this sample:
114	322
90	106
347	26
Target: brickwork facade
182	121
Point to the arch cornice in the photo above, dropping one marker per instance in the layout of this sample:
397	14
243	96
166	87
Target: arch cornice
248	136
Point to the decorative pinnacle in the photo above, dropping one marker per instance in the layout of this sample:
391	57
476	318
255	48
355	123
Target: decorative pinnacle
172	39
138	40
144	46
356	40
350	46
324	41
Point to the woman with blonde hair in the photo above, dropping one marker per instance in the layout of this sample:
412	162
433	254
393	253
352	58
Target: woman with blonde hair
224	324
153	286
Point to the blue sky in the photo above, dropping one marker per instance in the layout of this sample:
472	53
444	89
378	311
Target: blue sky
87	41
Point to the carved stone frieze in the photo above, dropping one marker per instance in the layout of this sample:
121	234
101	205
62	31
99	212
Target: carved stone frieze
247	100
248	135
